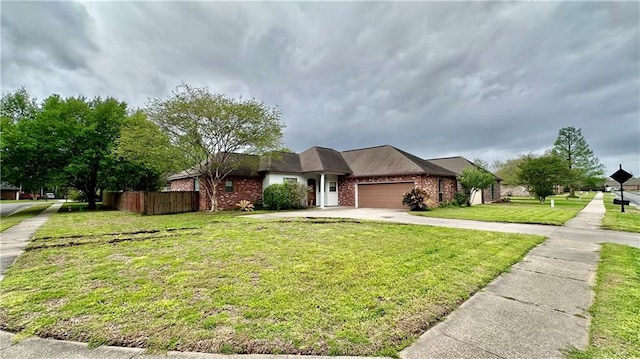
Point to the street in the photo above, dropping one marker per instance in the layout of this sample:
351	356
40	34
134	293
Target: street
9	208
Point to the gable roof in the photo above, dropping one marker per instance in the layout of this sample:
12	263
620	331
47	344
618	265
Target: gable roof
457	164
387	160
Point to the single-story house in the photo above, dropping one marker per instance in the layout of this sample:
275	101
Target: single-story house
9	191
374	177
457	164
633	184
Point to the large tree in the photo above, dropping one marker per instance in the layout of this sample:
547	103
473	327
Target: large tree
211	128
66	141
541	174
583	166
473	179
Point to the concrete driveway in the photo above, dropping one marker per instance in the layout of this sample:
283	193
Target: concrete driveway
402	216
7	209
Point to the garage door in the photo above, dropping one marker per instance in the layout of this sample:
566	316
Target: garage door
382	195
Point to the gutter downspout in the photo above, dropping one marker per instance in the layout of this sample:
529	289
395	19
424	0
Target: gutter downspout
322	190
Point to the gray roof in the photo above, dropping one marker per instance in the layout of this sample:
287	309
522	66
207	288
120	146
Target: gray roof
5	186
457	164
246	165
387	160
322	159
280	162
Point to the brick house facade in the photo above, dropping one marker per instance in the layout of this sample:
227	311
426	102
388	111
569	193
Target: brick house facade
336	177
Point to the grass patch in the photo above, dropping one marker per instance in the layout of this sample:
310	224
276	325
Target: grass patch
519	210
615	327
7	222
629	221
227	284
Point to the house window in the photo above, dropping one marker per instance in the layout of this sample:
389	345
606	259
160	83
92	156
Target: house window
196	184
290	180
228	186
493	191
333	186
440	190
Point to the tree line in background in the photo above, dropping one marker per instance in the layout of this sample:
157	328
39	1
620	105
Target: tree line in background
570	163
100	144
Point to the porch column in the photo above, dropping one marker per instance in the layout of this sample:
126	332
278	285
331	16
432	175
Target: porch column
322	190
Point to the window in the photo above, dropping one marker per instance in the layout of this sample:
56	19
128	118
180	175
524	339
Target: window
228	186
493	191
196	184
440	190
290	180
333	186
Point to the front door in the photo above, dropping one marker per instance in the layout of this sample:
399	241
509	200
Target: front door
311	192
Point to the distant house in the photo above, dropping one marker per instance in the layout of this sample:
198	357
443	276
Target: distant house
633	184
457	164
374	177
9	191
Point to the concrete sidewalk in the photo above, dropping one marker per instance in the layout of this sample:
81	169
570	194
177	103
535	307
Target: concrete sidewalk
14	239
536	310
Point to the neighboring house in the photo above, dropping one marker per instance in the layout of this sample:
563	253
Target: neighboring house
9	191
457	164
375	177
633	184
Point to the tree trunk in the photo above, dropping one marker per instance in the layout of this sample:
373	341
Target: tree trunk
212	192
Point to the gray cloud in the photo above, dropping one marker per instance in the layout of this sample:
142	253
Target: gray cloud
482	79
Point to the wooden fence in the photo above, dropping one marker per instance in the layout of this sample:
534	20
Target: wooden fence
151	203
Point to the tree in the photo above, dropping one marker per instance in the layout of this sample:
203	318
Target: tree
474	179
508	170
143	158
85	134
25	160
580	161
210	128
542	174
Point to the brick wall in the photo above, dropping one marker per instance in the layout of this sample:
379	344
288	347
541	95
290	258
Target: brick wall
487	195
346	186
184	184
244	188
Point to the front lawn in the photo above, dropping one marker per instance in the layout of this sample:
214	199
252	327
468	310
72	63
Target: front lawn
519	210
615	327
629	221
223	283
7	222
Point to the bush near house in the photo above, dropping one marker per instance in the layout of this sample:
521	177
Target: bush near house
416	199
285	196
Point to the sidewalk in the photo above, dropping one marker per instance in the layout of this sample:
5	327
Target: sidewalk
14	239
535	310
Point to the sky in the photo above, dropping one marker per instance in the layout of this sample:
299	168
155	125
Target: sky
486	80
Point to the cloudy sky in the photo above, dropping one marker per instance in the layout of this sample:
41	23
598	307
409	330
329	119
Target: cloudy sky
484	80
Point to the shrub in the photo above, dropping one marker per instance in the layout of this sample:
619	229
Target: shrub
245	205
460	198
285	196
416	199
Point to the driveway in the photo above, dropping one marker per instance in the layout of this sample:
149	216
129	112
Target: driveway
580	231
401	216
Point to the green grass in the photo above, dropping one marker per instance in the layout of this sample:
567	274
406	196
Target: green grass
519	210
615	327
228	284
7	222
629	221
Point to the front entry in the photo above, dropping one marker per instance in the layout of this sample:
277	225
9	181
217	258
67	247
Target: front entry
311	192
